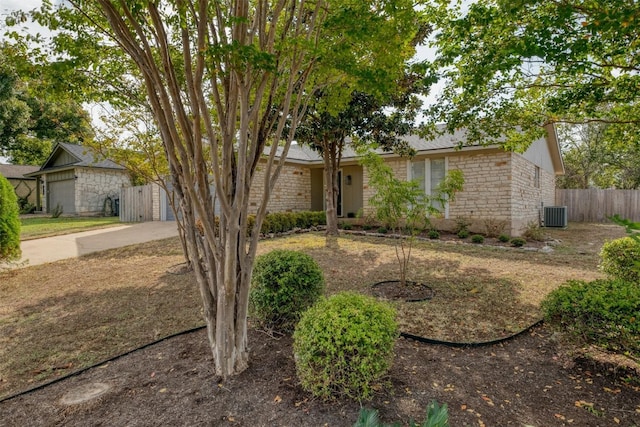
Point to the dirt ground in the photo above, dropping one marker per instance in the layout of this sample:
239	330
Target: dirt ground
536	379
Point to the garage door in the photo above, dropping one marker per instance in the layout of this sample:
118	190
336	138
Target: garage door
63	193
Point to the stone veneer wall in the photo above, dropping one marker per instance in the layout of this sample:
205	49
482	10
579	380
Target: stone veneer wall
528	199
94	185
399	168
487	188
498	186
292	191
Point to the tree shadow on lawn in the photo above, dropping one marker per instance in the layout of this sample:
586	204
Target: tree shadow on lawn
61	334
470	304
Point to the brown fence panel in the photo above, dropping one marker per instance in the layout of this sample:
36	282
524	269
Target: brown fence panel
136	204
595	205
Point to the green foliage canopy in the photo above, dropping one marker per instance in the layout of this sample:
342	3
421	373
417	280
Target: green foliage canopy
510	66
9	222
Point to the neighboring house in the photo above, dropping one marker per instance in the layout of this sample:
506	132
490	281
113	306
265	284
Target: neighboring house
26	187
499	185
79	180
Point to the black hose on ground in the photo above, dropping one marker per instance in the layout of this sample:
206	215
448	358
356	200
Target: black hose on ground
469	344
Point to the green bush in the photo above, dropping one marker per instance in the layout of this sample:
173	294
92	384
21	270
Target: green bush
9	222
437	416
346	226
344	345
433	234
518	242
620	258
477	238
463	234
284	284
504	238
382	230
533	231
603	312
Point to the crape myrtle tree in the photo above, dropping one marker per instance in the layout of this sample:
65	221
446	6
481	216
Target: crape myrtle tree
227	83
511	66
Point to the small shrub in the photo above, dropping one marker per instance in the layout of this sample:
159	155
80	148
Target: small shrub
504	238
344	345
433	234
382	230
603	312
620	257
437	416
9	222
463	234
367	227
346	226
57	211
518	242
477	238
462	224
283	285
494	227
533	231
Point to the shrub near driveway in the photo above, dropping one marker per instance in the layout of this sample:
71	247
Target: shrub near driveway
620	259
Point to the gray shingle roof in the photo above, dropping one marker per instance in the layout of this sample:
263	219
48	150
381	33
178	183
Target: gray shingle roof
87	156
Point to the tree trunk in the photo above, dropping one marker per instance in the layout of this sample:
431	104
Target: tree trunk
331	162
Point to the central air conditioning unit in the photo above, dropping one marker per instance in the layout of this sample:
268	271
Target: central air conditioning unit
555	216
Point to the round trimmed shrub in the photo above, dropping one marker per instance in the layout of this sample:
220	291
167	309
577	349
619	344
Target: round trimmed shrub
504	238
9	222
518	242
343	345
283	285
604	312
620	258
477	238
463	234
433	234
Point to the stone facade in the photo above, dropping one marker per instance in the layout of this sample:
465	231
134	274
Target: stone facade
94	185
292	191
499	186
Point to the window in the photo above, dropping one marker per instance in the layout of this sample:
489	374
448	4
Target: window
536	177
429	173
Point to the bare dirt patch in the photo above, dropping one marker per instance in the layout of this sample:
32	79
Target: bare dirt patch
62	316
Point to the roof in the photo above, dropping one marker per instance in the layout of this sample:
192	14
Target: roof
447	141
17	171
84	156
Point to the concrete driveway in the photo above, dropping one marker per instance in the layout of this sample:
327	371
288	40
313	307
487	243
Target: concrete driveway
50	249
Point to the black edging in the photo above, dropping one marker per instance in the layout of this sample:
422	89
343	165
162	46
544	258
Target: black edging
469	344
197	328
95	365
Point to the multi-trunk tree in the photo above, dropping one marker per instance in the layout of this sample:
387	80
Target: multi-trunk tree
227	83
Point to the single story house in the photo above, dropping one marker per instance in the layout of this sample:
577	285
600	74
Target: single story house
79	180
25	186
500	186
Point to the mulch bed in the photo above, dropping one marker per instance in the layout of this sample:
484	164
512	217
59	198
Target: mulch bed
525	381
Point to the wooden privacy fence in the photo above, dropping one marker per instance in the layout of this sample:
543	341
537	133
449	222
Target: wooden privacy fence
136	204
594	205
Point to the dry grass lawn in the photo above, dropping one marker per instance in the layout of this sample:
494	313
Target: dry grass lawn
59	317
